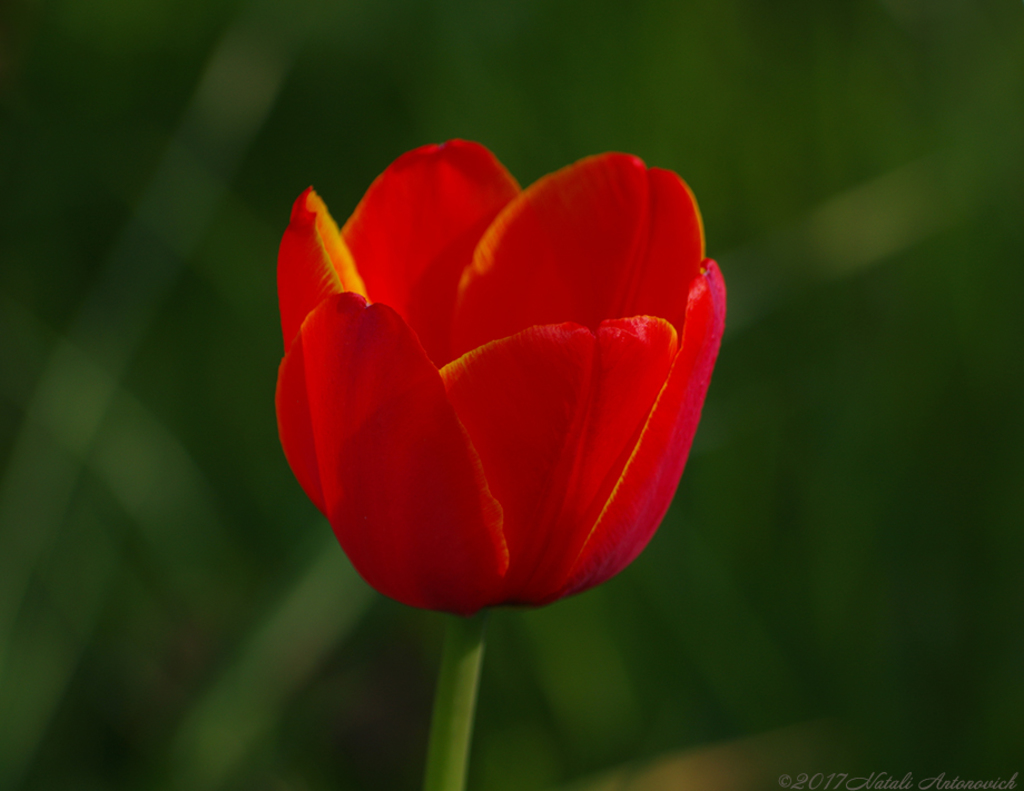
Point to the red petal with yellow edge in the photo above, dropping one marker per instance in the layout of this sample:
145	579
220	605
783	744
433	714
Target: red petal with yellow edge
415	230
312	263
554	412
402	485
649	480
603	238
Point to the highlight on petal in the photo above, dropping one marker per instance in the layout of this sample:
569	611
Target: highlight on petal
649	479
603	238
415	230
401	484
313	263
554	412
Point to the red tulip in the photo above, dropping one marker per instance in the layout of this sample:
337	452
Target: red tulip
491	393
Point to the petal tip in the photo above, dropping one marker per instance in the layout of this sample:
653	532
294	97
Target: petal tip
305	207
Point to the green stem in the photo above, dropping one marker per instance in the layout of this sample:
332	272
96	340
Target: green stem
455	703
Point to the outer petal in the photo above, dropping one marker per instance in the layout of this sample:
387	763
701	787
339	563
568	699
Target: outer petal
415	231
603	238
295	426
312	263
645	489
554	412
402	485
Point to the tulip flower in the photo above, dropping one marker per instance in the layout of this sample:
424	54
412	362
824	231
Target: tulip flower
490	392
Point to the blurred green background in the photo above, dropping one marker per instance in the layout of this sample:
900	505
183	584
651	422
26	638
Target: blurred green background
837	586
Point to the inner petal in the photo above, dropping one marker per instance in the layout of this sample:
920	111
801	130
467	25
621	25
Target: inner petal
601	239
554	412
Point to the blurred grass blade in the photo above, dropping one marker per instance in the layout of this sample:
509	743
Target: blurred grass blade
281	654
876	220
157	484
854	230
74	393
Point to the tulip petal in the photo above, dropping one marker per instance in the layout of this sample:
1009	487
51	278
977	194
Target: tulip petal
415	230
674	251
554	412
402	486
649	480
295	426
312	263
603	238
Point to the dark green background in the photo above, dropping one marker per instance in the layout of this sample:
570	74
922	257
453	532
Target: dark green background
844	553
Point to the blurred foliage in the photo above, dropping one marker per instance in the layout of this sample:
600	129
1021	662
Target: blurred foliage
841	567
